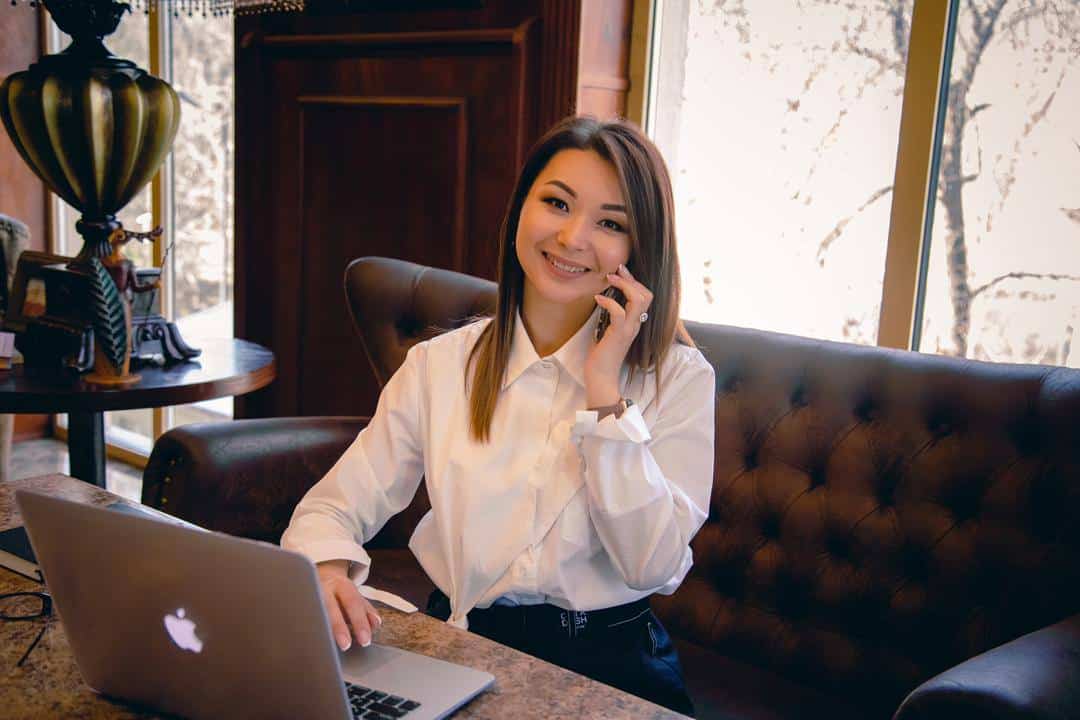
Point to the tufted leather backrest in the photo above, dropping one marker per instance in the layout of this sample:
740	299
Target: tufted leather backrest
396	304
877	515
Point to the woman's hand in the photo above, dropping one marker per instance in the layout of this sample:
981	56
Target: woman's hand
605	359
345	606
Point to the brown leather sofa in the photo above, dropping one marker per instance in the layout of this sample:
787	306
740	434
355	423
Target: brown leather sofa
879	518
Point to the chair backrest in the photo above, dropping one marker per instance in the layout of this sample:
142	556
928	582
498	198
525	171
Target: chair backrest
877	515
396	304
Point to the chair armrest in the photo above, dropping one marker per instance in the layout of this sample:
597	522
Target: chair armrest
244	477
1035	676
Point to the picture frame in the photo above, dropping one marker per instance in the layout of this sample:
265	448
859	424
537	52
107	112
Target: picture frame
28	298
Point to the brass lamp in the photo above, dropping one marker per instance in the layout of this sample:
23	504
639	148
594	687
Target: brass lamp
94	127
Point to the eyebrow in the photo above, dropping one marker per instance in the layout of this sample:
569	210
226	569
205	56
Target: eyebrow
571	193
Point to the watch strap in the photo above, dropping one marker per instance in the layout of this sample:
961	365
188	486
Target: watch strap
617	409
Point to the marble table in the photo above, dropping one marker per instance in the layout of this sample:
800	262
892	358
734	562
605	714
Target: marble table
49	685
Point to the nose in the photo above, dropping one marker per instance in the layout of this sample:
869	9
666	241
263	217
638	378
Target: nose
573	233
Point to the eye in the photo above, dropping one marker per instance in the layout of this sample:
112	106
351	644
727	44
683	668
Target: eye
556	203
612	225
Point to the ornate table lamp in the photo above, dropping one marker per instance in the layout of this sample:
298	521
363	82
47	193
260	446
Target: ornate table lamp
95	128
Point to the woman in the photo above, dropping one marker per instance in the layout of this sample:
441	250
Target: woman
566	443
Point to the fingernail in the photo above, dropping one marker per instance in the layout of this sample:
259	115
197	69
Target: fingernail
343	642
378	619
365	640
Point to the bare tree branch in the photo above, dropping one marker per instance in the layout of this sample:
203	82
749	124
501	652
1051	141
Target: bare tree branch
838	230
901	29
1022	275
976	17
1023	16
1032	122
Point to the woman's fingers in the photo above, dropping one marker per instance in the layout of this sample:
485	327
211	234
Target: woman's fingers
358	612
638	297
618	314
337	621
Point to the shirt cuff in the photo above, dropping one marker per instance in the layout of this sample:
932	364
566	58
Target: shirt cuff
630	427
359	560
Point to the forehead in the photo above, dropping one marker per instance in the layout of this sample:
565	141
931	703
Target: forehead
588	174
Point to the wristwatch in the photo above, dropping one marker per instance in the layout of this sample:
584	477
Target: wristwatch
617	409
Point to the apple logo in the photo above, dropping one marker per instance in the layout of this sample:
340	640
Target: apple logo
182	631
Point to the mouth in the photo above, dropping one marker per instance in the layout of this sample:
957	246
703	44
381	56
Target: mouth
564	268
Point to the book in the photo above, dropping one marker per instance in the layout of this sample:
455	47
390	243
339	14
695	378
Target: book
7	349
17	555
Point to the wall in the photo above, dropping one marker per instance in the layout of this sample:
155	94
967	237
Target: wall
22	195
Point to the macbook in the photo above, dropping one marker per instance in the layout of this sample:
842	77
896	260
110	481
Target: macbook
205	625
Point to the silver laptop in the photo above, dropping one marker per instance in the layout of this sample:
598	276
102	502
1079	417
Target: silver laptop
205	625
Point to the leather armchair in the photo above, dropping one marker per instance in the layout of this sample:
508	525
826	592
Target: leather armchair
883	523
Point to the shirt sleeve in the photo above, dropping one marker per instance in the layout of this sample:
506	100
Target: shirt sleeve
376	478
649	489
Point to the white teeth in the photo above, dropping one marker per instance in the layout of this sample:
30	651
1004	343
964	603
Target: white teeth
565	268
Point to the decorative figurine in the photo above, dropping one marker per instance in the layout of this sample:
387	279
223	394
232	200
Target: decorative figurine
122	269
114	283
112	330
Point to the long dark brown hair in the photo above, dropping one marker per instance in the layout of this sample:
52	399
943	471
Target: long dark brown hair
646	186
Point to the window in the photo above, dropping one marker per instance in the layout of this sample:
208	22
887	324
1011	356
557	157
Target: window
779	124
192	200
1003	279
202	191
781	121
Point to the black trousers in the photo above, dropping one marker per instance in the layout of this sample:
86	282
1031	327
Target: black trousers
625	647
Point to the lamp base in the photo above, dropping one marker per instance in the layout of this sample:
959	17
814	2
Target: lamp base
111	380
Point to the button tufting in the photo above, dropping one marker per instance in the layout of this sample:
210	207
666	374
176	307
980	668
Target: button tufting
770	526
1026	437
940	425
408	326
866	409
798	397
838	545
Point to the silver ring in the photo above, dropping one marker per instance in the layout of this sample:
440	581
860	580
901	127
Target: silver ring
644	317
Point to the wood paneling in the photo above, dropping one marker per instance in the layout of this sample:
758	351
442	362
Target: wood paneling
22	194
604	80
388	133
377	155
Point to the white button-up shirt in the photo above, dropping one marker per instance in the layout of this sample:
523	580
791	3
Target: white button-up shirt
556	507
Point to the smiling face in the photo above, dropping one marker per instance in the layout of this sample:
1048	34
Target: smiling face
572	231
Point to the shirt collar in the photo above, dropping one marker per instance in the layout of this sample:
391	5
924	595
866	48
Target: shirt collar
571	356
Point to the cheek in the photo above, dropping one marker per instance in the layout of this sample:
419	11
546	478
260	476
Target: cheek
532	225
612	252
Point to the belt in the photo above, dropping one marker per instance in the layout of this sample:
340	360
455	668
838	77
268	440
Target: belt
550	618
